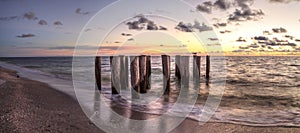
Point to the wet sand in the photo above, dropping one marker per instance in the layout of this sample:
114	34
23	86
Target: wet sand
30	106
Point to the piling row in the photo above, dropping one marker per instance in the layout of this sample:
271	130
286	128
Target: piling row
140	71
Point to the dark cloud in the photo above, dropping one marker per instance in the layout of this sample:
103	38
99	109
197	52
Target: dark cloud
9	18
297	40
57	23
213	39
42	22
25	35
191	27
283	1
261	38
79	11
223	4
217	25
245	14
289	37
125	34
267	32
184	27
30	16
143	23
130	39
240	39
225	31
152	26
279	30
205	7
162	28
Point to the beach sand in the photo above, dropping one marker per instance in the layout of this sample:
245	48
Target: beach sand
31	106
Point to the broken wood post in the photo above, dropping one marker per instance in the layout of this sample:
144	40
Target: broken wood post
177	66
207	69
143	73
148	75
185	71
135	76
98	72
115	74
122	72
166	72
126	72
196	67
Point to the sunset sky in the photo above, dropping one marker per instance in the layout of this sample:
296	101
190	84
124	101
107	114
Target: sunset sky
233	27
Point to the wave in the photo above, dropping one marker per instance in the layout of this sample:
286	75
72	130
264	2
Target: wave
247	109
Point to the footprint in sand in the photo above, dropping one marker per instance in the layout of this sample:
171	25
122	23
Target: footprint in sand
2	81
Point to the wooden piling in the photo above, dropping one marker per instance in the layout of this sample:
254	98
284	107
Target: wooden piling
115	74
143	73
207	69
126	72
177	67
148	75
98	72
185	71
166	72
196	67
135	76
122	72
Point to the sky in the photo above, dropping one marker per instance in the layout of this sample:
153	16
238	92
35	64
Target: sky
229	27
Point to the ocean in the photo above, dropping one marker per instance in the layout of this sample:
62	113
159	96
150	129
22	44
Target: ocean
259	91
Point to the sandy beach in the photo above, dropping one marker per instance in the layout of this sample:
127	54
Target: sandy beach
31	106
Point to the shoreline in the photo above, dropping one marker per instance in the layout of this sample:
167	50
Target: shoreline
21	95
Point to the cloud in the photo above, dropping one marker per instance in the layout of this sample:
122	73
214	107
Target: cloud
261	38
217	25
184	27
283	1
245	14
125	34
25	35
191	27
223	4
143	23
162	28
130	39
83	47
279	30
87	30
79	11
241	39
225	31
30	16
42	22
57	23
213	39
205	7
9	18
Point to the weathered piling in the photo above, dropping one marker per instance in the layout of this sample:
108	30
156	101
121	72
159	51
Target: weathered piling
135	76
148	74
166	72
115	74
184	70
177	67
98	72
126	72
143	73
196	67
122	72
207	69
